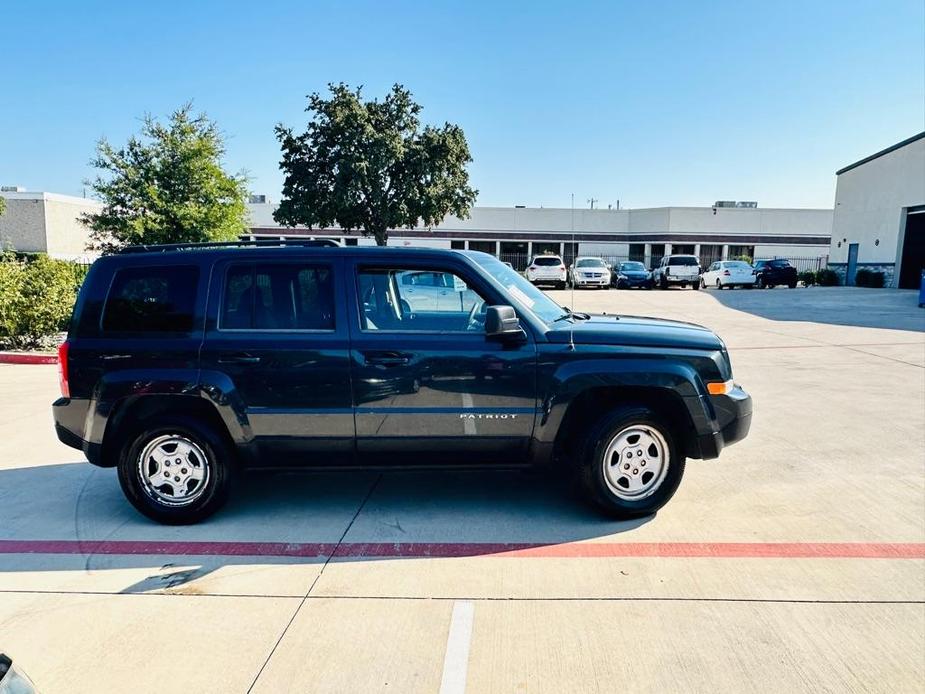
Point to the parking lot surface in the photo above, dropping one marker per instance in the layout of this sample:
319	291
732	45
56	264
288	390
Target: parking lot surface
795	562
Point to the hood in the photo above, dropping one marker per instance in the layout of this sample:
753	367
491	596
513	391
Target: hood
635	331
633	273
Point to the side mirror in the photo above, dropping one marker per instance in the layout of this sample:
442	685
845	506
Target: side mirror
501	322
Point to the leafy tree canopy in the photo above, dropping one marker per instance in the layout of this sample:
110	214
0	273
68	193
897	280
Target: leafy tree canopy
166	185
369	165
2	205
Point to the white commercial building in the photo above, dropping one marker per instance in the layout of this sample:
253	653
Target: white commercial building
879	220
517	233
46	223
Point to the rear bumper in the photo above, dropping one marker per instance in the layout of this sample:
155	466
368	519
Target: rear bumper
733	419
70	416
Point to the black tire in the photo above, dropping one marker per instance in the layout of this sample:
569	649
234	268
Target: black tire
761	284
589	467
792	285
695	285
216	486
663	283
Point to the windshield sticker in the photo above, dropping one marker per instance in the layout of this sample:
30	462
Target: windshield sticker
520	296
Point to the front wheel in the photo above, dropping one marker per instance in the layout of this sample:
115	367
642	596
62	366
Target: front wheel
630	463
695	285
175	470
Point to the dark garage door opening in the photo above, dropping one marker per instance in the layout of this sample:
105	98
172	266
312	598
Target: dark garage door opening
912	257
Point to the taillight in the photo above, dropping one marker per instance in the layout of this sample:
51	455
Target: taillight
62	369
562	267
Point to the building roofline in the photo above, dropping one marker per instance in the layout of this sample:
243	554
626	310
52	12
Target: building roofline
43	195
898	145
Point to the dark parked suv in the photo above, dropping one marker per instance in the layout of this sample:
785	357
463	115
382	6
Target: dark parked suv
773	272
185	365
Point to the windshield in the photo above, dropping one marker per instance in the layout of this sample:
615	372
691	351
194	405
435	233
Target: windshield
520	291
590	262
683	260
738	264
632	267
547	260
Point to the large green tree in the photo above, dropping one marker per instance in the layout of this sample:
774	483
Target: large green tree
369	165
2	205
166	185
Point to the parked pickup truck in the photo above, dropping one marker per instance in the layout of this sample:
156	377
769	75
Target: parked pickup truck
186	364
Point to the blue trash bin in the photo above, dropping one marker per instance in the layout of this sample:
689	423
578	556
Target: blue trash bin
922	291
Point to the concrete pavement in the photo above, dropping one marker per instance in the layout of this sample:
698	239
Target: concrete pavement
836	458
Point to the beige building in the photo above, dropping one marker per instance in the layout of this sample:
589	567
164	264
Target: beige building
879	221
46	222
724	230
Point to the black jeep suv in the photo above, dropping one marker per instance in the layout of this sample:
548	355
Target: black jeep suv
185	365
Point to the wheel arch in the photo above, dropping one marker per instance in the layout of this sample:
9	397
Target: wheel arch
134	412
592	402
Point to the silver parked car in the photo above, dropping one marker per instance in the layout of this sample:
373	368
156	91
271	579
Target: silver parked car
589	272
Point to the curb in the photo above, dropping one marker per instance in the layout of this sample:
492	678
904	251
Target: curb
27	358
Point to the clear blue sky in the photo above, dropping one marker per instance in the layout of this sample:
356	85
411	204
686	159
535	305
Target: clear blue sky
652	103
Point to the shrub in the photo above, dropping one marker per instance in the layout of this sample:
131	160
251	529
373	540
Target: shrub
807	277
827	278
36	299
868	278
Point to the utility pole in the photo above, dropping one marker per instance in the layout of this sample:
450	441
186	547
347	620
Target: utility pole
592	201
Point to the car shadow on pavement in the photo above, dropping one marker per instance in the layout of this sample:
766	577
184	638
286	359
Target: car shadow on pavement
73	517
894	309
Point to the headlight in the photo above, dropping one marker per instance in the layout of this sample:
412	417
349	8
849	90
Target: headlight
621	276
12	679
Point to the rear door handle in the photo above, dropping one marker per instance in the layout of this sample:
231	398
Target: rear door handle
386	358
238	359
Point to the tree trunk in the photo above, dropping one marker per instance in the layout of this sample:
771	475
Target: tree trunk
382	236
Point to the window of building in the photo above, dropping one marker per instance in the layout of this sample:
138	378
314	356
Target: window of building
458	245
482	246
284	296
682	249
637	252
404	300
741	252
710	252
152	300
350	242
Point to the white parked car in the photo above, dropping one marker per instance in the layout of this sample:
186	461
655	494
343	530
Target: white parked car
728	273
547	269
425	290
677	269
589	272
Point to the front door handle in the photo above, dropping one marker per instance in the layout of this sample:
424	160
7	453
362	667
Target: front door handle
238	359
386	358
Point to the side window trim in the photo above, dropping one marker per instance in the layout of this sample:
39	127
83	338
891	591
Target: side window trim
162	334
304	263
360	267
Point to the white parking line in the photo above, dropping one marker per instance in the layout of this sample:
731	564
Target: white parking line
456	660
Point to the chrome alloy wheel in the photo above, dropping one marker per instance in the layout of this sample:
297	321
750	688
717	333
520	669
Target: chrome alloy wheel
173	470
636	462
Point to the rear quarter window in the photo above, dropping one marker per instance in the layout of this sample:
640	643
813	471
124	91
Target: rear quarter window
152	300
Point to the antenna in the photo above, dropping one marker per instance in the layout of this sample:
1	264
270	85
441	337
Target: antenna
571	330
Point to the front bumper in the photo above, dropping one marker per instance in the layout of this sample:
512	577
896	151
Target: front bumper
633	281
592	281
732	420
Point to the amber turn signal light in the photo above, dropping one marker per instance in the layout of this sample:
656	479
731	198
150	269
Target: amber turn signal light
719	388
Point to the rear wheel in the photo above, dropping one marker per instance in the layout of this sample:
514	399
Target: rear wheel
695	285
175	470
762	284
792	285
663	283
630	463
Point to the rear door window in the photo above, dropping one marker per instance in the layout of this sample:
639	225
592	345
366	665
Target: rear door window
278	296
146	300
547	261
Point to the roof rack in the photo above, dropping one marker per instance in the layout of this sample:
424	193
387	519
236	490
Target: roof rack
311	243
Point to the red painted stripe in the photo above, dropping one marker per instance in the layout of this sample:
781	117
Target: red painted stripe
382	550
27	358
